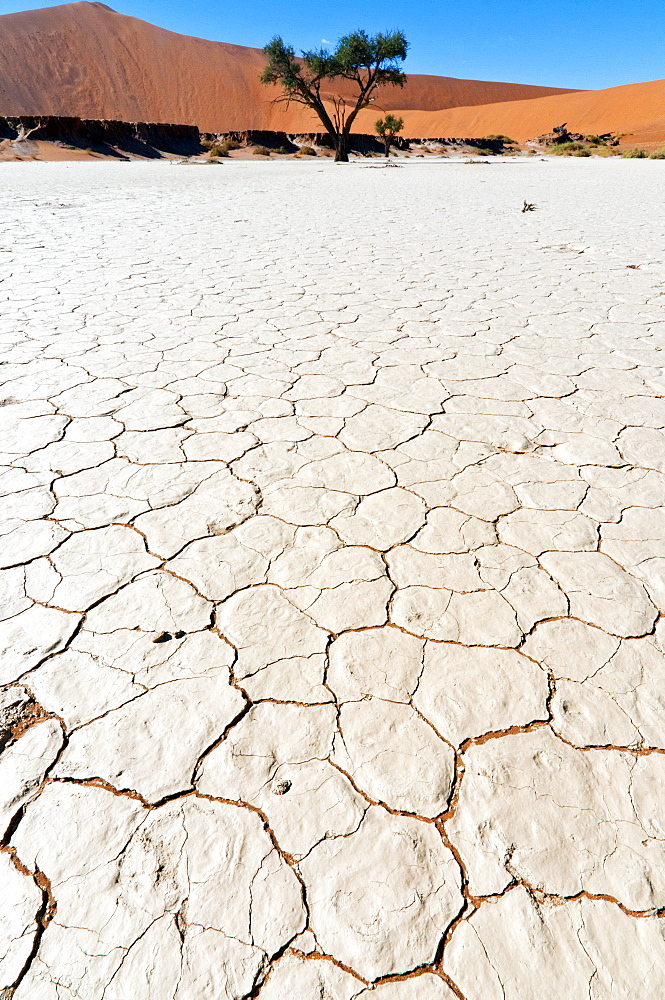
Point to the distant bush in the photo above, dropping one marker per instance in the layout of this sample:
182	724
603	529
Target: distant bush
634	154
484	152
307	151
261	151
658	154
581	152
282	150
223	148
499	138
597	140
567	148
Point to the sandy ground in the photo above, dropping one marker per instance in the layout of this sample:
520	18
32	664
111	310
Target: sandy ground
334	554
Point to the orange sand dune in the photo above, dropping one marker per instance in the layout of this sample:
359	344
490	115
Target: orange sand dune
637	109
85	60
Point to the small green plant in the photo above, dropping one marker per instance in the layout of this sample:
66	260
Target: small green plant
388	128
506	140
307	151
581	152
567	148
223	148
484	152
658	154
596	140
634	154
261	151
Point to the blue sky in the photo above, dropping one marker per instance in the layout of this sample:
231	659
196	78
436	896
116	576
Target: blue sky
584	44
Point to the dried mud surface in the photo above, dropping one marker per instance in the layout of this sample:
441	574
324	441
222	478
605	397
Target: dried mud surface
333	564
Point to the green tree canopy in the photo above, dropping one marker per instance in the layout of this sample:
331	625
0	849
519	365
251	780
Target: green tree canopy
367	62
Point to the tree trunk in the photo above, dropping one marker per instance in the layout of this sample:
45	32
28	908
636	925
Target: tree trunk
341	149
386	146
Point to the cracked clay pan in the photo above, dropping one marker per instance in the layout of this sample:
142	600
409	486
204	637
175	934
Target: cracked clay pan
331	584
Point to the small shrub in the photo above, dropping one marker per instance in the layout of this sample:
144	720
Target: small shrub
307	151
658	154
282	150
499	138
581	152
223	148
633	154
566	148
260	151
595	140
484	152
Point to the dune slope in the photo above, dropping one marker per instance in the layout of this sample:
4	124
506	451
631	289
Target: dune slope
84	59
637	109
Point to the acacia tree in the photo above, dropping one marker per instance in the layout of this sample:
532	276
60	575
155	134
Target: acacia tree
388	128
367	62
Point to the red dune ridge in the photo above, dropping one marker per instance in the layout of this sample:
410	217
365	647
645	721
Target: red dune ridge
85	60
636	110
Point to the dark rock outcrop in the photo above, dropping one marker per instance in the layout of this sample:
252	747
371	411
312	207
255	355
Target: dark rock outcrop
113	138
291	142
561	134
